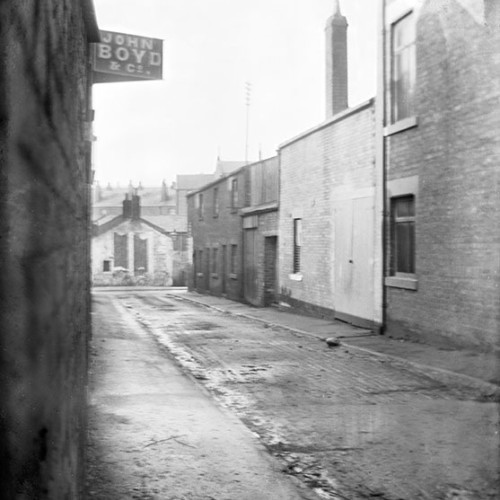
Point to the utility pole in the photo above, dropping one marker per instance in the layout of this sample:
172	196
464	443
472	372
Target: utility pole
248	94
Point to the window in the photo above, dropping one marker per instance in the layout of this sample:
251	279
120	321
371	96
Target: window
403	68
297	244
234	256
403	235
140	254
200	206
234	194
106	266
215	255
121	250
216	202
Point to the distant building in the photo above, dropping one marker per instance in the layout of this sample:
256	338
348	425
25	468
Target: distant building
160	200
213	216
234	226
260	232
441	145
225	167
135	248
187	183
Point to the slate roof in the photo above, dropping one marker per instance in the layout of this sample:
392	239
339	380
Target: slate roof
224	167
194	181
150	196
168	223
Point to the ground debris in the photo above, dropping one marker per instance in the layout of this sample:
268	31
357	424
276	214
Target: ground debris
332	342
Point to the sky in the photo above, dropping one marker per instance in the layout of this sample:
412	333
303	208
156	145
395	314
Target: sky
148	131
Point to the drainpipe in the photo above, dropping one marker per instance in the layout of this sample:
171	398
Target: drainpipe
380	161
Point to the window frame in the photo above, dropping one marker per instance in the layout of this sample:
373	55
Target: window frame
407	51
200	206
398	221
215	199
234	194
215	263
297	245
233	259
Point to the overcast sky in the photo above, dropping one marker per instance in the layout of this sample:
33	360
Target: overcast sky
153	130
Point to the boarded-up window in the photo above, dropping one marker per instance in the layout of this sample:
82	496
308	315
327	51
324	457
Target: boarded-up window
403	235
140	254
121	250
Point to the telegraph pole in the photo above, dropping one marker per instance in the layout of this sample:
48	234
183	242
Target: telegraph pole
248	94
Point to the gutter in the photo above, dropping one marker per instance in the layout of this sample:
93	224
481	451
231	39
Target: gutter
380	160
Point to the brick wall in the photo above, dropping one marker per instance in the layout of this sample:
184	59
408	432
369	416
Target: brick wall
213	232
256	267
44	214
455	154
335	158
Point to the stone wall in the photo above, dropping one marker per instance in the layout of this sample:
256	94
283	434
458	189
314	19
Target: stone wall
44	221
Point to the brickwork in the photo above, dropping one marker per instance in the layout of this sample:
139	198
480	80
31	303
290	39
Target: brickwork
455	153
44	220
241	221
335	158
213	230
266	226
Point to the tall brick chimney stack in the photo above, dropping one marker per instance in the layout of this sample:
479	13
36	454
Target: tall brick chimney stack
336	62
135	206
127	207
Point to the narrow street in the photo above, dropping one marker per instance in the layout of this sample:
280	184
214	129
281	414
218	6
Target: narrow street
320	422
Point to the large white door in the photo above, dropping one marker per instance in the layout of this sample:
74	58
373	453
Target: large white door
354	239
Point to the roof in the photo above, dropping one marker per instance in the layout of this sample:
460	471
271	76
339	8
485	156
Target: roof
167	223
104	219
224	167
194	181
150	196
163	223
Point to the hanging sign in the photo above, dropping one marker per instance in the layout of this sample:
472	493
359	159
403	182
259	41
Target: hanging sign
121	57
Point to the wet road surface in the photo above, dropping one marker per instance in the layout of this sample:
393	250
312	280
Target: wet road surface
155	434
346	424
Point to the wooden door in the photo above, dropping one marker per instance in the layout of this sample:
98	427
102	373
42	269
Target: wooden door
354	235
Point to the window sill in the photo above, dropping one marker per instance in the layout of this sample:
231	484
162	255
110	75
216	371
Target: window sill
296	276
214	276
401	125
400	282
233	276
199	275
